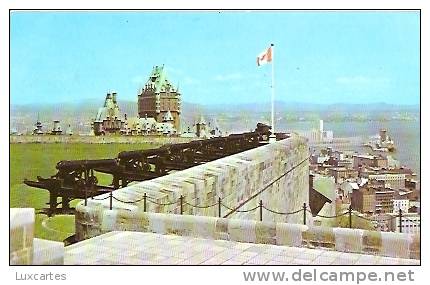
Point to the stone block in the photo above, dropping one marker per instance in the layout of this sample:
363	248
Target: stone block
124	220
372	242
109	220
23	256
221	229
265	232
348	240
205	227
395	244
290	234
182	225
17	238
157	223
320	237
46	252
242	230
21	229
415	247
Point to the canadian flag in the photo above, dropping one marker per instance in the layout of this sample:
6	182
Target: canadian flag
265	57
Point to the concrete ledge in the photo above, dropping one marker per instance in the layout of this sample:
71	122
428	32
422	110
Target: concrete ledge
290	234
157	249
319	237
372	242
415	247
395	244
242	230
348	240
249	231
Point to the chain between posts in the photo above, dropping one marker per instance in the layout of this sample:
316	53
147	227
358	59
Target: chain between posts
260	206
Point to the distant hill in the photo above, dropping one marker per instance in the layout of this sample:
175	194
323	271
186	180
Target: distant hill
79	114
309	107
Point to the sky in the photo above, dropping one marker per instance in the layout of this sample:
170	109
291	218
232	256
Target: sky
319	57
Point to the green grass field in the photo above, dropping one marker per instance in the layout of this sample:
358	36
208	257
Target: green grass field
32	160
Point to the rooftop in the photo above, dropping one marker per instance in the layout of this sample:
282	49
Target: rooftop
137	248
159	81
365	156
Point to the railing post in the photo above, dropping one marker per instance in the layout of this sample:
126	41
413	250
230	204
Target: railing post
144	202
261	210
110	200
350	216
304	213
219	207
85	196
400	221
182	200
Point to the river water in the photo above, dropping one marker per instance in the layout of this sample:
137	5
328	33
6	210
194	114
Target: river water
406	135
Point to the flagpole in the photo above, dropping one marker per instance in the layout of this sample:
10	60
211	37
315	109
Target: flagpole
272	137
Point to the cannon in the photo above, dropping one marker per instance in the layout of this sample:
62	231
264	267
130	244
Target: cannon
76	179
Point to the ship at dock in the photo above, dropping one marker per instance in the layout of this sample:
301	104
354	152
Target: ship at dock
381	142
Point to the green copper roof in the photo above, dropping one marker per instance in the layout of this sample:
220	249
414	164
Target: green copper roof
158	80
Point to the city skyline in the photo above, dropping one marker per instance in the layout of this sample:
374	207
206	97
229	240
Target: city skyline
320	57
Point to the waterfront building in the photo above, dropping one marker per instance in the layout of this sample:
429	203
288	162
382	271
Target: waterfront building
384	200
410	223
360	160
402	204
363	200
347	187
342	173
394	181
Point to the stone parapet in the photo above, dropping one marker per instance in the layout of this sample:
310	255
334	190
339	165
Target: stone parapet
337	239
275	173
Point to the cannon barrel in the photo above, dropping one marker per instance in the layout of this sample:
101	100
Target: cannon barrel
140	153
85	164
241	136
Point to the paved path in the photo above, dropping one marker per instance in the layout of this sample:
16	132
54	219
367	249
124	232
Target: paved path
137	248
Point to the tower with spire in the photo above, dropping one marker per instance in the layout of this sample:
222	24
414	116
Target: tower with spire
38	127
159	99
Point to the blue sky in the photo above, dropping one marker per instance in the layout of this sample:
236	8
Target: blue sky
320	57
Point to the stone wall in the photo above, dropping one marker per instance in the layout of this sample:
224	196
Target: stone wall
93	221
275	173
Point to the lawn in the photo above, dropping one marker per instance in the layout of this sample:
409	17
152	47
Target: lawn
32	160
